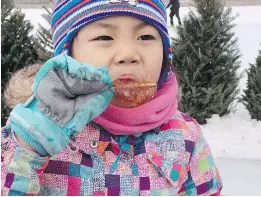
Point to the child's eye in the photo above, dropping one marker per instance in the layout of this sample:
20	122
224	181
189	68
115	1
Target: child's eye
146	37
102	38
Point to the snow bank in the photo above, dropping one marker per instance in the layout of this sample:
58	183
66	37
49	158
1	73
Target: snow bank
234	136
240	177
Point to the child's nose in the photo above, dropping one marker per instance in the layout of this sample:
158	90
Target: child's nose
127	62
127	55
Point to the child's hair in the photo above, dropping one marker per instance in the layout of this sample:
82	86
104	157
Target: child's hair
19	87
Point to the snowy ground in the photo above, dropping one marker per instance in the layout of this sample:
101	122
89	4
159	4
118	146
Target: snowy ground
240	177
235	139
234	136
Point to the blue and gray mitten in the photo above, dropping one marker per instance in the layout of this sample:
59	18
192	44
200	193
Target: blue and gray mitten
67	96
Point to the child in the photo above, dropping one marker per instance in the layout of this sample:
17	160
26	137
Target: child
103	117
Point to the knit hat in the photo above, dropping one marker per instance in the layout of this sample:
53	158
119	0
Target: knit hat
69	16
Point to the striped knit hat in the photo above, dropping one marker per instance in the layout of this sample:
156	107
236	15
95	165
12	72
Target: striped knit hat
69	16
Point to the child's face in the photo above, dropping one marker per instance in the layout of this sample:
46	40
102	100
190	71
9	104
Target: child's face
125	45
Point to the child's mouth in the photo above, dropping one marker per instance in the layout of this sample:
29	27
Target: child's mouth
133	91
128	77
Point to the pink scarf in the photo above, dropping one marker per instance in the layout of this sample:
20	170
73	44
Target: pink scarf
130	121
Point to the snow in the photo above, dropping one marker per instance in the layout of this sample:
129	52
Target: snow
35	16
235	139
234	135
240	177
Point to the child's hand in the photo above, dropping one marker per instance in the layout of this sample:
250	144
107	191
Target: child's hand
67	95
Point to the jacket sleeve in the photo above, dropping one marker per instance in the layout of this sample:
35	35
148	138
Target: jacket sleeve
21	169
203	175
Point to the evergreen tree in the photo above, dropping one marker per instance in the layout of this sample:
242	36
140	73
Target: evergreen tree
252	94
44	41
206	57
18	49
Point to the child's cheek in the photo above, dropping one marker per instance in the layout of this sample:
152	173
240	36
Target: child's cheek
153	73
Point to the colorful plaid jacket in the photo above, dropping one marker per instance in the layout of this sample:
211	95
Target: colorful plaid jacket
173	159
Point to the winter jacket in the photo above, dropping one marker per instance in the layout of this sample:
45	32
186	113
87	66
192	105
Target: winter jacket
173	159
